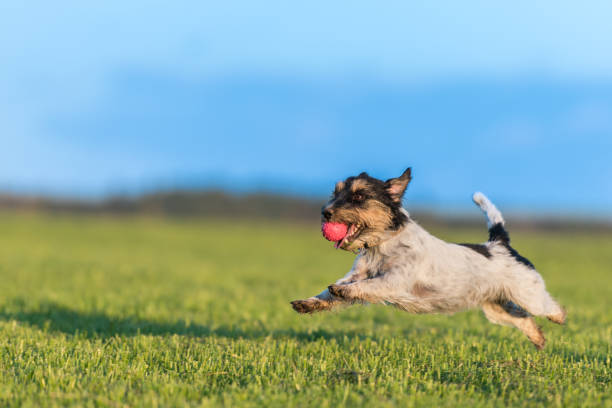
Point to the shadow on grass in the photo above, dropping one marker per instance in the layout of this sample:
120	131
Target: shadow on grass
57	318
54	317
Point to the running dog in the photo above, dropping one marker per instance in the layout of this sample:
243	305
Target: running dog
399	263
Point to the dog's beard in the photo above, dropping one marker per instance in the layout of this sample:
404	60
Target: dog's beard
366	226
352	236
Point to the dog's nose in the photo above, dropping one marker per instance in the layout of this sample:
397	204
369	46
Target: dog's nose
326	213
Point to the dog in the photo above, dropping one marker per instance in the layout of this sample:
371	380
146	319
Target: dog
399	263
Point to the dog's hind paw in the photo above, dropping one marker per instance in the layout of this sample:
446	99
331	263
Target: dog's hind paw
558	318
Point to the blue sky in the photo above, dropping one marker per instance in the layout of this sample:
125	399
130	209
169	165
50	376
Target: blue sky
514	99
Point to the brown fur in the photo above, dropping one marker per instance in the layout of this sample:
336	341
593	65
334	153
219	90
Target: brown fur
422	290
558	318
371	205
496	313
359	184
398	185
311	305
351	293
375	219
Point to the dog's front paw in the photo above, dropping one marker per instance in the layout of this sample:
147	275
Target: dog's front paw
306	306
341	291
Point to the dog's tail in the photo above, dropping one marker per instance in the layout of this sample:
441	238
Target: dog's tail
495	221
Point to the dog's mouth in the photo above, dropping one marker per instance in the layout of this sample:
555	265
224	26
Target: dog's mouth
352	233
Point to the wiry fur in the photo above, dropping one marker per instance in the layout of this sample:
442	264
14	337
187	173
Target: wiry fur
405	266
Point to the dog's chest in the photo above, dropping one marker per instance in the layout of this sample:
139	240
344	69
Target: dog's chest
396	260
378	265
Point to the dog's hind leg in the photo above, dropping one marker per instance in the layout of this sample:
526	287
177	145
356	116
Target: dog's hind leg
527	289
540	303
509	314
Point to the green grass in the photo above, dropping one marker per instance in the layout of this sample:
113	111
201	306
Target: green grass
150	312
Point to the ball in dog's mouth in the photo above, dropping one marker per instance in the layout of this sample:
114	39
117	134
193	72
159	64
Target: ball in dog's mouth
338	232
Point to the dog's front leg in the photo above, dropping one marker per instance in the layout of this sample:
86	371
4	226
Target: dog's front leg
325	300
375	290
322	301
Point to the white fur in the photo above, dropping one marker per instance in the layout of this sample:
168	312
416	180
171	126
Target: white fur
459	277
492	213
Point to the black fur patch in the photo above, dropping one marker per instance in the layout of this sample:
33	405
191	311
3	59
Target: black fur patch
514	309
518	256
481	249
498	233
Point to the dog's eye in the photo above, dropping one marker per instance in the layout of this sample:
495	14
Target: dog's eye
358	197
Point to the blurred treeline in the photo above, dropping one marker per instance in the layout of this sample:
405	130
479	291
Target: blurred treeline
176	204
223	205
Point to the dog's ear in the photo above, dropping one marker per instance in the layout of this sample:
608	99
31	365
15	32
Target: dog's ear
396	186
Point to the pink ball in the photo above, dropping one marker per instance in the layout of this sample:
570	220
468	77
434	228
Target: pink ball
334	231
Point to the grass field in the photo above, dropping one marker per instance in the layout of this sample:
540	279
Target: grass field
151	312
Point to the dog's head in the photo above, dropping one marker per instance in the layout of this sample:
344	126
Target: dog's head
369	207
